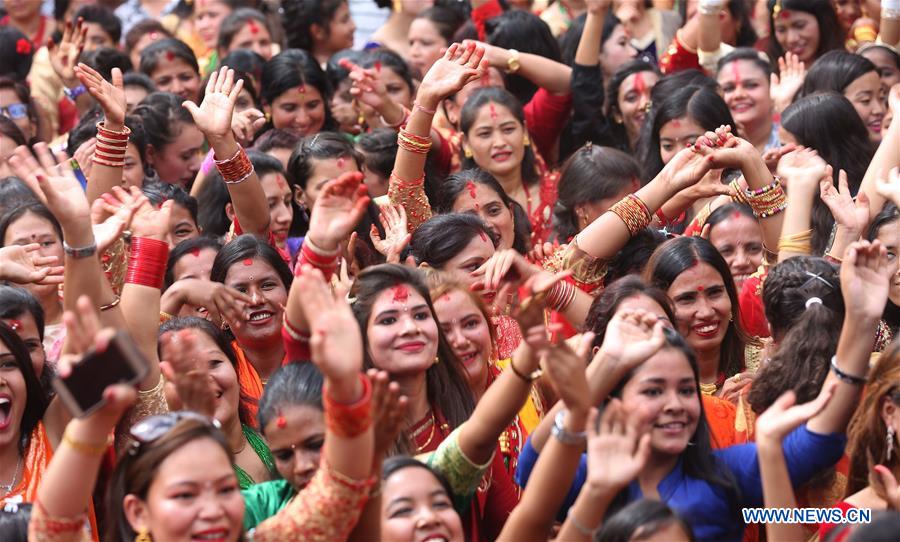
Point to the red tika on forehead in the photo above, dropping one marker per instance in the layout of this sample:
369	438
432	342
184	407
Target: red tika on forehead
254	28
676	123
248	262
785	14
736	73
400	293
280	422
377	66
493	111
639	85
301	89
170	56
195	252
340	162
485	79
13	324
280	180
700	288
736	215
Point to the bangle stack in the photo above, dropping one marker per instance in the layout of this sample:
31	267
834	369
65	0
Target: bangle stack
293	332
799	243
767	201
633	212
147	264
321	259
350	420
236	169
413	143
111	146
561	296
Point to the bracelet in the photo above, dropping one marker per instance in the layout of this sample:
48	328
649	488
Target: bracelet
633	212
350	420
419	107
767	201
111	304
738	192
833	259
113	135
147	263
846	377
242	179
236	169
589	533
413	143
293	332
560	296
86	448
528	378
800	242
559	431
227	160
402	122
80	252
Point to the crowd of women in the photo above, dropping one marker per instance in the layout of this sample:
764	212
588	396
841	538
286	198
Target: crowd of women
514	270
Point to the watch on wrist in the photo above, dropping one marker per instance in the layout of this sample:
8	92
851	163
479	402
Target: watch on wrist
513	64
560	433
80	252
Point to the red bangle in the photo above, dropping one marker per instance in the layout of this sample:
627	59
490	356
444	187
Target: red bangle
350	420
313	258
147	264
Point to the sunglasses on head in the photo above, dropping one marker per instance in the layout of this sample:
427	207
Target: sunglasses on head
14	111
153	428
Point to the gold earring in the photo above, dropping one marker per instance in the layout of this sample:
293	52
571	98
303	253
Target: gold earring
526	140
143	535
468	152
436	360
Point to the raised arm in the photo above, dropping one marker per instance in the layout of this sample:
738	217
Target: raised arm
865	275
554	471
771	427
851	217
886	157
447	76
214	118
543	72
67	485
802	170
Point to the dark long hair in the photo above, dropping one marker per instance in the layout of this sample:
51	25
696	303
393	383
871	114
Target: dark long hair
300	15
446	384
290	69
605	306
440	238
827	123
591	174
173	48
36	401
456	185
835	70
699	102
831	36
483	96
676	256
618	135
889	215
807	335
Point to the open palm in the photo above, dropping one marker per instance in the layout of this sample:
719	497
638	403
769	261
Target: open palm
335	339
110	96
338	209
213	116
52	180
865	278
454	70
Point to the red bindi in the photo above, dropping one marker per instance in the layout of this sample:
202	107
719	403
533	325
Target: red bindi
445	297
639	85
248	262
736	215
736	73
493	111
784	14
301	89
377	66
254	29
195	252
700	288
280	422
400	293
170	56
676	123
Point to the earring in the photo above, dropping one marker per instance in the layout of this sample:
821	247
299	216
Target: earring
436	360
889	442
467	152
526	140
143	535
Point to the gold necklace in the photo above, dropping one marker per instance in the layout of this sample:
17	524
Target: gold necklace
708	389
433	423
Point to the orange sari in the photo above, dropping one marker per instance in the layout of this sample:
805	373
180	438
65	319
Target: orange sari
250	383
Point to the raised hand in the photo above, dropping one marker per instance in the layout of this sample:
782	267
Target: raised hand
865	278
213	116
564	368
631	338
530	311
64	57
109	227
388	410
852	215
335	339
393	220
110	96
459	66
784	415
222	304
182	367
84	155
785	86
724	149
802	169
367	85
245	124
52	181
23	264
149	221
889	188
338	209
616	448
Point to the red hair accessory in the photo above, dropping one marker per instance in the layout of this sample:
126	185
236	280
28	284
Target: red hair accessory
248	262
23	46
401	293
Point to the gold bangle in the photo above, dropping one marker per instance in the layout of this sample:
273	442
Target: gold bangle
528	378
111	304
86	448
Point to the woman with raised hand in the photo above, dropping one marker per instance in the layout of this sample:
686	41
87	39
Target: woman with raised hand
708	487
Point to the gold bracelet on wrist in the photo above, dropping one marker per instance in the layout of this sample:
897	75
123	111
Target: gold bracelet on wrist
86	448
